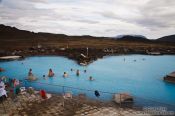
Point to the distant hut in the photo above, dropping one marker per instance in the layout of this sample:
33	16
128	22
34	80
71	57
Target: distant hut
39	46
10	57
153	53
170	77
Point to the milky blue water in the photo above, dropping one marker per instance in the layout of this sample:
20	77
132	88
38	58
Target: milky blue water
142	78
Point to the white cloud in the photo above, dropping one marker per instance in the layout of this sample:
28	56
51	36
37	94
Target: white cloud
152	18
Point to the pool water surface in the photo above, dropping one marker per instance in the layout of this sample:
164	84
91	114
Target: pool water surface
139	75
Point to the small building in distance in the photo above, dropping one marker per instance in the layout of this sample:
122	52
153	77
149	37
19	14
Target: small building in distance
170	77
153	53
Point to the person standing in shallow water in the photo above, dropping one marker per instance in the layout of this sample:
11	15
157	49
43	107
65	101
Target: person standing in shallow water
30	72
51	74
78	72
31	77
65	74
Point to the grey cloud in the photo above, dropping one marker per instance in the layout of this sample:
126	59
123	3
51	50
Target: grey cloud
88	21
154	14
44	1
159	13
152	18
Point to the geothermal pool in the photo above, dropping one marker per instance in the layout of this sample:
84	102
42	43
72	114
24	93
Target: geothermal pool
139	75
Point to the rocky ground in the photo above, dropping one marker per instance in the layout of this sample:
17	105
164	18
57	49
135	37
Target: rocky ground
33	105
84	55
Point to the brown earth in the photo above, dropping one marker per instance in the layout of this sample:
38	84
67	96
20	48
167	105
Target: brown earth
19	42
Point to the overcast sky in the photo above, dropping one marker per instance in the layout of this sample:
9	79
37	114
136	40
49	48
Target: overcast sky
151	18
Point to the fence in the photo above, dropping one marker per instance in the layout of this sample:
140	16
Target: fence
104	95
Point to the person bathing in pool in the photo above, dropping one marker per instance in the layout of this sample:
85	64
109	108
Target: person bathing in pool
44	77
30	72
65	74
51	74
78	72
91	79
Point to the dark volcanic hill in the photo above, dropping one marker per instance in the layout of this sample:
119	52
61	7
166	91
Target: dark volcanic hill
132	38
12	33
7	32
170	38
22	42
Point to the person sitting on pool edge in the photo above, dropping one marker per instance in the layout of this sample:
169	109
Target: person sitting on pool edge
90	78
65	74
51	74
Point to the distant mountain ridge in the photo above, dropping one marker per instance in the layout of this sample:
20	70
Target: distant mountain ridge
170	38
8	32
131	37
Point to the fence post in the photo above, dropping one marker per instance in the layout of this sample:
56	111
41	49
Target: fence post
24	83
120	100
63	95
63	89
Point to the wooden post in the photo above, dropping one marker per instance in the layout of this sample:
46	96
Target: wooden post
120	100
87	51
63	96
